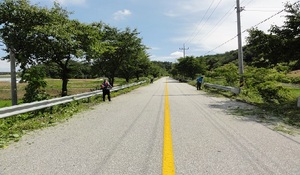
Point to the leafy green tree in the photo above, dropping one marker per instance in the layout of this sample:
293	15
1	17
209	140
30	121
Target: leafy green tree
65	41
174	72
142	65
107	64
18	20
132	52
155	70
40	35
125	57
167	66
189	67
266	49
61	44
52	70
289	34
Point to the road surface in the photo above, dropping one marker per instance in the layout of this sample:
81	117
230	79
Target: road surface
126	136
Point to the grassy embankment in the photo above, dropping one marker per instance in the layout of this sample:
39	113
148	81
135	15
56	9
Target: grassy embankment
284	115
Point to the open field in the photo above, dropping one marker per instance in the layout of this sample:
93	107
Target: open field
75	86
4	76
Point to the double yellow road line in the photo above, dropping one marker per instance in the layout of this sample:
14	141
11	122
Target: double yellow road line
168	167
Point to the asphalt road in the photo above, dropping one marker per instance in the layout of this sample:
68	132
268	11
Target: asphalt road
125	136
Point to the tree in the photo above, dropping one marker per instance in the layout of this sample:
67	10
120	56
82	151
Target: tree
65	40
108	63
167	66
189	67
61	43
40	35
17	22
289	33
125	57
132	53
141	65
266	49
155	70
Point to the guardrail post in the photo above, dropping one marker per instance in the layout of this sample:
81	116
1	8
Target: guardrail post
298	103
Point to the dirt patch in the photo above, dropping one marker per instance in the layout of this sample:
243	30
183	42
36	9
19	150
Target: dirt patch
295	73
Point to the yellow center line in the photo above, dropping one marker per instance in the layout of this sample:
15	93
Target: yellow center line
168	167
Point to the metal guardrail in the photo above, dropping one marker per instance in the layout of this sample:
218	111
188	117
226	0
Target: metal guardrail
226	88
28	107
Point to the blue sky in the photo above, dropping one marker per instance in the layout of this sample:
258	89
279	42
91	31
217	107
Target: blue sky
166	25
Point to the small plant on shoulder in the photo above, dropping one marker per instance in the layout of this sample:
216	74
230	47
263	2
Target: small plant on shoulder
35	90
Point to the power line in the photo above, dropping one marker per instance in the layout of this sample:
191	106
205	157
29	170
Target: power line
206	20
194	35
220	22
256	10
245	31
247	3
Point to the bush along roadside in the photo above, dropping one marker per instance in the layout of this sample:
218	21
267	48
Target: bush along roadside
266	92
13	128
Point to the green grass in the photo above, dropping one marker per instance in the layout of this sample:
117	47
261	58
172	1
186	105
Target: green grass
53	88
295	92
5	103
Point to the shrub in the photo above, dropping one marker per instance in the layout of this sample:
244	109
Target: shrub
36	84
272	93
295	80
229	72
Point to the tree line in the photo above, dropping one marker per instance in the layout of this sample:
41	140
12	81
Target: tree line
278	48
66	48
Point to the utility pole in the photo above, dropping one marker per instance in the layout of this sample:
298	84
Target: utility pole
13	80
184	49
240	49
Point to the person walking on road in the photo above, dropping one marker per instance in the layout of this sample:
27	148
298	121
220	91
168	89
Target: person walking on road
199	82
106	90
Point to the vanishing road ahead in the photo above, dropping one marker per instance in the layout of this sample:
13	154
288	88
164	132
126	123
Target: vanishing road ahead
126	136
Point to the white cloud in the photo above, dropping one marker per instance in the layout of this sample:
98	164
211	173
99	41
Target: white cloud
176	54
121	14
194	7
170	58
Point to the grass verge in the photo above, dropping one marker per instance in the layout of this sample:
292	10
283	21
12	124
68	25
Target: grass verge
284	117
13	128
